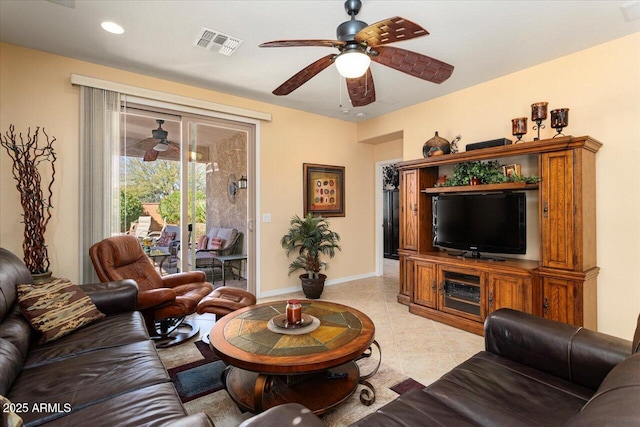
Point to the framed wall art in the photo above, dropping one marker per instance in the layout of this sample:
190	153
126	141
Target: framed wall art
323	190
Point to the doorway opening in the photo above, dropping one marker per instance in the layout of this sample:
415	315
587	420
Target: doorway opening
387	216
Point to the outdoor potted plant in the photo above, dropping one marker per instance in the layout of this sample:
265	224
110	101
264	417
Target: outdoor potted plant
310	237
30	159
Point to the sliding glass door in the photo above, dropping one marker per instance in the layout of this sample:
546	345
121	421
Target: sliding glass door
217	203
191	175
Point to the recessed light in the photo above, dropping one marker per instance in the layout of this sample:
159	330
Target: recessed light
361	115
346	111
112	27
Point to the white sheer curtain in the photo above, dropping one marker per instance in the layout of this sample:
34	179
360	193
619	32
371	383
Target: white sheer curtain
99	171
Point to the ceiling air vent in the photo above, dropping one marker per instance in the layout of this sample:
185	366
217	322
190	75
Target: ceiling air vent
217	42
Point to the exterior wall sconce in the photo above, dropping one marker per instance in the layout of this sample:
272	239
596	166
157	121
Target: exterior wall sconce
234	185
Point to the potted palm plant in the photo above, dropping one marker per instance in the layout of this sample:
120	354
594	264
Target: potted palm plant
30	159
310	237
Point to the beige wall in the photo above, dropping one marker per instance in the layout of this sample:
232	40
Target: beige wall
315	139
388	150
601	86
35	90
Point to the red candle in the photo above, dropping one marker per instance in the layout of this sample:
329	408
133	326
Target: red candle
294	312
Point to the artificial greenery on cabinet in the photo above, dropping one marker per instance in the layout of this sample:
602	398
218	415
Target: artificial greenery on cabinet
484	173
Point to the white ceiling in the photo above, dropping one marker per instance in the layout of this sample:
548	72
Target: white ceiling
482	39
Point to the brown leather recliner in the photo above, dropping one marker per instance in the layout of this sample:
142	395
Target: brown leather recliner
164	301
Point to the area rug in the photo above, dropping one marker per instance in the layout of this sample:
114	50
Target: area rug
195	371
200	378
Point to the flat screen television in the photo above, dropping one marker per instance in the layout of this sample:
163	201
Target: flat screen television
492	223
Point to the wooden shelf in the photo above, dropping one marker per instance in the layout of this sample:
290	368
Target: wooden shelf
530	147
504	186
464	301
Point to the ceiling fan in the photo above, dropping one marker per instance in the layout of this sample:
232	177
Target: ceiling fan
359	44
160	141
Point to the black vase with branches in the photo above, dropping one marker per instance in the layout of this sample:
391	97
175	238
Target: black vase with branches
30	157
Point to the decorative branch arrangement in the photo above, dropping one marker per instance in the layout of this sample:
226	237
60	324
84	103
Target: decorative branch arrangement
35	193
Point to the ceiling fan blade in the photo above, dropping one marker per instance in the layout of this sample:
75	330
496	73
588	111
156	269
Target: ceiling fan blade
146	144
149	141
412	63
361	90
150	155
293	43
304	75
390	30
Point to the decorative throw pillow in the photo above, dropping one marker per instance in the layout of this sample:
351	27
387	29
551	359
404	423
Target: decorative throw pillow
202	242
56	308
215	243
8	416
165	239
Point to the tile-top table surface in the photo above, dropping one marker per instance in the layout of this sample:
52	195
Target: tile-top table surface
242	338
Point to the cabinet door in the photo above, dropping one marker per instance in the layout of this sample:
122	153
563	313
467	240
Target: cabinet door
509	291
409	209
559	301
461	292
406	279
557	214
424	284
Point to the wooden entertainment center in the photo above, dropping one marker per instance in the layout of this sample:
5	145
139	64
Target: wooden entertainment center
461	291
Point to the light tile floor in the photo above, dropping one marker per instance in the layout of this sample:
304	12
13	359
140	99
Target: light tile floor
420	348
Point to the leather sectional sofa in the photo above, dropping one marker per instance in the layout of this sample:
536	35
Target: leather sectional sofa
533	372
107	373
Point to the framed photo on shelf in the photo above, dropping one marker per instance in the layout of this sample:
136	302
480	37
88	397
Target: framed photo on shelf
510	170
323	190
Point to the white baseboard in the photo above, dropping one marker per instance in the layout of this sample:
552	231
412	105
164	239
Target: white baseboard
350	278
277	292
292	289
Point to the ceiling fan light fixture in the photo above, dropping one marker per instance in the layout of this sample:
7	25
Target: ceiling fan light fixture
352	63
161	146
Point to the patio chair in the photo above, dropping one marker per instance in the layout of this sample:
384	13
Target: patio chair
141	228
218	241
167	241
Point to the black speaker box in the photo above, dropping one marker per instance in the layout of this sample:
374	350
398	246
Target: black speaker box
487	144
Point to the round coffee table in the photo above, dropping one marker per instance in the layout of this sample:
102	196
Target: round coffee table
316	369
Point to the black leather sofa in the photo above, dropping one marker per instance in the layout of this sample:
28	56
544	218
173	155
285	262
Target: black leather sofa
107	373
533	372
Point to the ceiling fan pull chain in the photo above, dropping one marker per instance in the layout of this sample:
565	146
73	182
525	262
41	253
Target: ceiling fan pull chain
366	85
340	89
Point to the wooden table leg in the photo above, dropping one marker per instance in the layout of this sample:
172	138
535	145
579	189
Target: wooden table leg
262	385
320	392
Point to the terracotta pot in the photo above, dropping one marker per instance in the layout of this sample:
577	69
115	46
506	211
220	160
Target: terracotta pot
312	288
